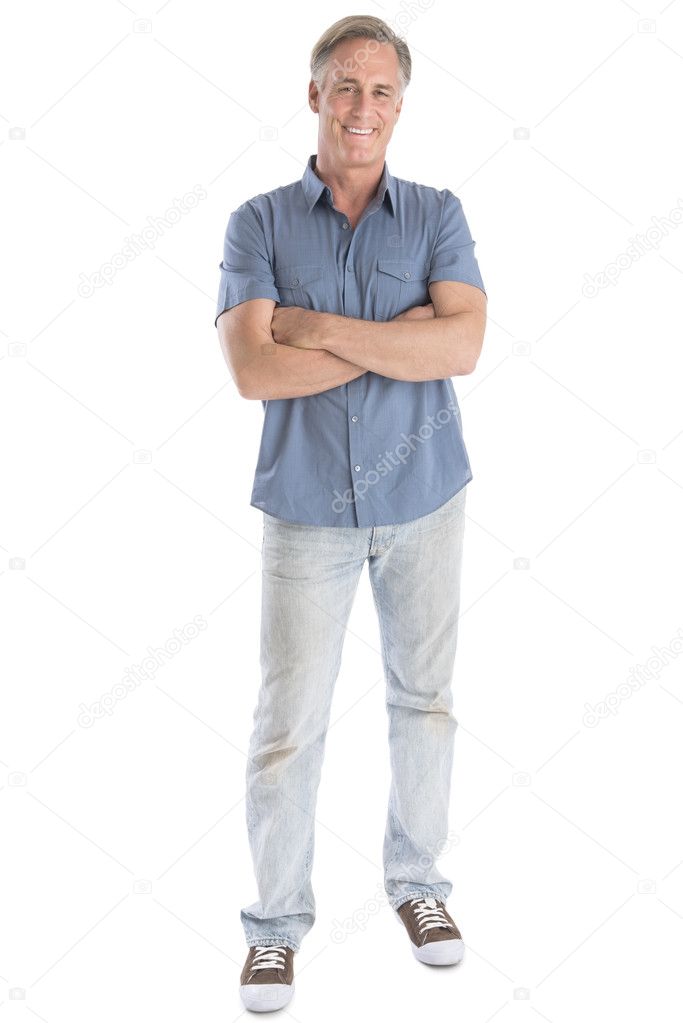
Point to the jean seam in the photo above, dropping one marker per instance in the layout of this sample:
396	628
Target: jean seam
398	831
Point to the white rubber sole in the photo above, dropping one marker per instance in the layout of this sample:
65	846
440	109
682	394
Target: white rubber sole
440	953
266	997
437	953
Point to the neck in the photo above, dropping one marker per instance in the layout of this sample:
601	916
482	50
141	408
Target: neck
355	186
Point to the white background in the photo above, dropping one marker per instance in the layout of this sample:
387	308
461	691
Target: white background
127	465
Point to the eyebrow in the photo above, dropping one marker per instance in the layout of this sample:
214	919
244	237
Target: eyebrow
378	85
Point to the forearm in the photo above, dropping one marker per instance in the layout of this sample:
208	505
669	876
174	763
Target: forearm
424	349
279	371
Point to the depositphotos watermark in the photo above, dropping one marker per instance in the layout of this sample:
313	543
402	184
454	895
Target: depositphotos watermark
410	11
638	676
391	459
137	243
637	248
342	929
157	657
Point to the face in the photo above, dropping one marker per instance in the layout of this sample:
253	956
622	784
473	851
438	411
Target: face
360	90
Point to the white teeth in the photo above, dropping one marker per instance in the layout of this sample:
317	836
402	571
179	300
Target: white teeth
359	131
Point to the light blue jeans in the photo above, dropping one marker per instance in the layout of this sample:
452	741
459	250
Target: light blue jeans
310	575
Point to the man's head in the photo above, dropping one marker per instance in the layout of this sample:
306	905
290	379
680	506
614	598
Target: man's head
359	72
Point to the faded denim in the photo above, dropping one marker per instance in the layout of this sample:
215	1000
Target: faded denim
310	575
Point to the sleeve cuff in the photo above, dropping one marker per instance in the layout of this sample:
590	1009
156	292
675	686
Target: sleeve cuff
237	296
453	273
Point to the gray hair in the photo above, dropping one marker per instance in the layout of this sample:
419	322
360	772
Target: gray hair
359	26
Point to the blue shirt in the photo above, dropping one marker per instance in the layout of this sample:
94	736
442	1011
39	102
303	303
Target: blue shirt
374	451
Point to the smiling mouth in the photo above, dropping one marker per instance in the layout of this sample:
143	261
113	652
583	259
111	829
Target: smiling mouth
360	132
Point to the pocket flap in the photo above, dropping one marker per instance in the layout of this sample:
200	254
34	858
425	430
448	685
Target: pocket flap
403	269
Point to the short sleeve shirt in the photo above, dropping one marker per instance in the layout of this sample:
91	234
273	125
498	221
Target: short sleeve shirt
373	451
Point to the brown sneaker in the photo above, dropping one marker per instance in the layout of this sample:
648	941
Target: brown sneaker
267	980
434	937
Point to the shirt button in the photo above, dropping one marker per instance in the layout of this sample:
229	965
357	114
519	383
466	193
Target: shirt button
349	269
406	275
345	225
295	281
354	419
357	468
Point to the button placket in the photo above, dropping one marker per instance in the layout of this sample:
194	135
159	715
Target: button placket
354	389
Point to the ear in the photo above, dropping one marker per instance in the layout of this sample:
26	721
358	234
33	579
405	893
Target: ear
313	96
399	105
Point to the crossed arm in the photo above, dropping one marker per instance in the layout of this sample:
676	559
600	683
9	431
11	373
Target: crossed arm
286	351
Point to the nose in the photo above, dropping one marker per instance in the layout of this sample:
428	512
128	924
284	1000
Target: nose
362	104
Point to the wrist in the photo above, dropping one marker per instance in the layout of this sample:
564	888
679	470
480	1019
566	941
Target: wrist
332	331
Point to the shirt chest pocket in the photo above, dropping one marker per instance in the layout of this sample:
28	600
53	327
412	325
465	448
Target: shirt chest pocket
302	285
401	283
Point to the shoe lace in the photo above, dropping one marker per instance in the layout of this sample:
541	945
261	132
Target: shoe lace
429	914
269	957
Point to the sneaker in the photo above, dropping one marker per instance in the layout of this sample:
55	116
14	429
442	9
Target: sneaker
434	937
267	980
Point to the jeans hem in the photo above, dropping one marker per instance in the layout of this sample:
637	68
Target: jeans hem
406	897
273	941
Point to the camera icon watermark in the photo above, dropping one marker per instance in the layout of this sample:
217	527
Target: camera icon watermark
521	779
521	348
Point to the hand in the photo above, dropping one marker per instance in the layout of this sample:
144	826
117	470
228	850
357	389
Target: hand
418	312
299	328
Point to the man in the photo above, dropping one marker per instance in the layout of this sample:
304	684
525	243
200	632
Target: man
347	301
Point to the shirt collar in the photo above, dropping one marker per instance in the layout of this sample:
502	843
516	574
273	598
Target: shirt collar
314	187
